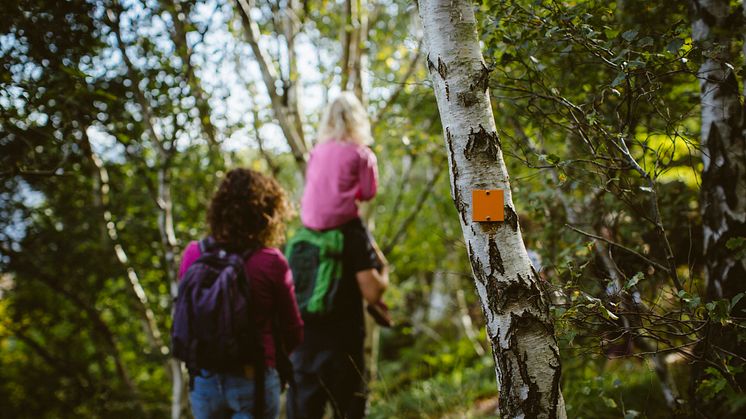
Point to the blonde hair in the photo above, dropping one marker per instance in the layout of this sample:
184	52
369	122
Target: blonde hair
345	119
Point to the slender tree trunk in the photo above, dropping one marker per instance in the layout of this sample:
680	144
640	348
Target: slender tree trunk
286	107
358	54
347	42
179	13
723	150
715	28
354	40
170	248
165	217
518	323
150	325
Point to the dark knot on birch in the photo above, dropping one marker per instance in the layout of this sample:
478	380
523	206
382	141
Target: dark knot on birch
482	142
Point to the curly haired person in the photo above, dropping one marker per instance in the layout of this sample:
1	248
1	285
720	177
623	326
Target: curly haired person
247	216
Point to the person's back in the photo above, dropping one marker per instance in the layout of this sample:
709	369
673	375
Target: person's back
329	364
339	174
246	217
342	169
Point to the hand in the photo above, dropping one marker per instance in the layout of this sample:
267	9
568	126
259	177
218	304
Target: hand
380	313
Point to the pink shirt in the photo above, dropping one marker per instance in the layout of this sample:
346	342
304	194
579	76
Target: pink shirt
271	283
338	174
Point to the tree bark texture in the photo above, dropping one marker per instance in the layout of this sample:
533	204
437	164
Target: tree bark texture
715	28
723	200
519	326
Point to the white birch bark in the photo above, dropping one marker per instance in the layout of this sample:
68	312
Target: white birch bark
723	148
518	323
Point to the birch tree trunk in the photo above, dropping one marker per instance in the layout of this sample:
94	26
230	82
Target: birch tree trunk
723	197
518	323
723	200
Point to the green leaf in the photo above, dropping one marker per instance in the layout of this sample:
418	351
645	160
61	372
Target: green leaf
630	35
631	414
646	41
634	280
619	79
675	45
608	315
736	243
736	299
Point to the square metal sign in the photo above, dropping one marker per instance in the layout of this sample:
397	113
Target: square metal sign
488	205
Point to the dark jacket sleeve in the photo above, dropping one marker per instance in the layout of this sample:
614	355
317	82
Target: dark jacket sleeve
290	322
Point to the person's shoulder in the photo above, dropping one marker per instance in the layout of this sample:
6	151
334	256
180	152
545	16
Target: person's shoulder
270	253
354	227
192	247
270	258
365	152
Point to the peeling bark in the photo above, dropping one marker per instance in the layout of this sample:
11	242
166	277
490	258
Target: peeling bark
518	323
723	150
723	197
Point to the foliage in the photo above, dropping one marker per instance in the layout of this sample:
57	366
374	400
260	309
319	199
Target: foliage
597	104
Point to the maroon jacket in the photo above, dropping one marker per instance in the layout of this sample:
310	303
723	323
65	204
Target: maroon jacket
272	285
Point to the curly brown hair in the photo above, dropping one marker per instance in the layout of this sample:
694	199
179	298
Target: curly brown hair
248	210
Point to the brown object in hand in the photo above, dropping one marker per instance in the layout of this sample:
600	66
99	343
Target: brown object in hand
380	313
487	205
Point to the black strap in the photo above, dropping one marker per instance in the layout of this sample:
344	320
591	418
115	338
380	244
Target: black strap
259	390
282	359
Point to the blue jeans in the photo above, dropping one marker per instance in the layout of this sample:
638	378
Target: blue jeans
221	396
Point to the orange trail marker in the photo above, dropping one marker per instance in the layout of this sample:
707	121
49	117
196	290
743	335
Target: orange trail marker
487	205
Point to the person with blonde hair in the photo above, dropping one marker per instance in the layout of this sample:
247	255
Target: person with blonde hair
328	366
342	168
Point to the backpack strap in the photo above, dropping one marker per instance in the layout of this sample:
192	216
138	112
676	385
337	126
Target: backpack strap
209	244
206	244
247	253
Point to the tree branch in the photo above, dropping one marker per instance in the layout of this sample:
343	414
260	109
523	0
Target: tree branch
626	249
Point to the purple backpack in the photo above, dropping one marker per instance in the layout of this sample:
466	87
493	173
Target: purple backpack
214	326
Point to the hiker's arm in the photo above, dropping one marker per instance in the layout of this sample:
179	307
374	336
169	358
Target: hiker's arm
373	283
191	253
289	315
368	176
